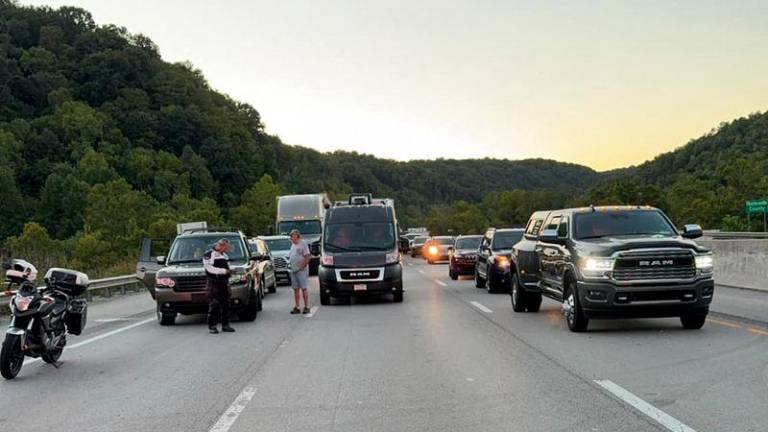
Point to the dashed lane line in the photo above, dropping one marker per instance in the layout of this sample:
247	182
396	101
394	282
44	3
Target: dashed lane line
230	416
441	283
481	307
644	407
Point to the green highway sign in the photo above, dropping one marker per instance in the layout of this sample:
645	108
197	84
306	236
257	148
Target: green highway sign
757	206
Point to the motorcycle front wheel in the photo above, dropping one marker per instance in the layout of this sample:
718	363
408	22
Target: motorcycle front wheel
11	356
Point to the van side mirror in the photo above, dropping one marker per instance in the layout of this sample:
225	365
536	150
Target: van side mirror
550	236
160	260
692	231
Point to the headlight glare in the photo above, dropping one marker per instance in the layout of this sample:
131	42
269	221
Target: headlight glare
597	264
705	262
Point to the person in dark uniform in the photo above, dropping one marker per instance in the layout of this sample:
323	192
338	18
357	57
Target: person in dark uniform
216	263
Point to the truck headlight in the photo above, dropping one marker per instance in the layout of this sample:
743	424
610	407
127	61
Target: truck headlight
596	267
326	260
432	250
705	263
501	261
597	264
393	257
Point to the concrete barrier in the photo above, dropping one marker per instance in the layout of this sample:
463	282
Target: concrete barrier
740	262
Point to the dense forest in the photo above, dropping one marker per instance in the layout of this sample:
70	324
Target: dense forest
102	143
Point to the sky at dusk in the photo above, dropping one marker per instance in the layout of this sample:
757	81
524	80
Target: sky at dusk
606	84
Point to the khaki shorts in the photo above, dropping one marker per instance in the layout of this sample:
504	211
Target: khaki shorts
300	279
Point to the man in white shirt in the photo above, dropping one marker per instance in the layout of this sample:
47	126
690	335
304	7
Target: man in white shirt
298	260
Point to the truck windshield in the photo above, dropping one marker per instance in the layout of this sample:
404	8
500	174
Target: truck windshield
191	249
621	223
420	240
468	243
505	240
304	227
360	236
278	244
445	240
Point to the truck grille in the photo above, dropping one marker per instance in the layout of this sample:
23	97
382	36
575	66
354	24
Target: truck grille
654	265
187	284
280	263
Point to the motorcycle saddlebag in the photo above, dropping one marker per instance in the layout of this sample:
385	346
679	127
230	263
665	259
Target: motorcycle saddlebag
77	315
71	282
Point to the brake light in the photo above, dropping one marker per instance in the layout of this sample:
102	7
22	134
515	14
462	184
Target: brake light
165	282
326	260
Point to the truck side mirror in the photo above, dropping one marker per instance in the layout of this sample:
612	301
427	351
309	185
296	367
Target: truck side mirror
692	231
550	236
160	260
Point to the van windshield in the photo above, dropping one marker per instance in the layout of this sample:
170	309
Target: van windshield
621	223
359	236
191	249
304	227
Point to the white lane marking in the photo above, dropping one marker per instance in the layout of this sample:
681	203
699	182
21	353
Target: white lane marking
410	264
233	412
644	407
312	311
420	271
109	320
98	338
481	307
441	283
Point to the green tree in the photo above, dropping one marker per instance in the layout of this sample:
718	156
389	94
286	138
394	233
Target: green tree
119	214
93	168
258	207
13	212
63	200
36	246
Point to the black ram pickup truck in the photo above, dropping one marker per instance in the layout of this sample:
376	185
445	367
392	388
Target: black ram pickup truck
612	262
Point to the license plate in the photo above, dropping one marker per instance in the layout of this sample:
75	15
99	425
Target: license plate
361	287
199	298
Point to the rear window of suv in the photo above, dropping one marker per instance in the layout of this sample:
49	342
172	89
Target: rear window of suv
621	223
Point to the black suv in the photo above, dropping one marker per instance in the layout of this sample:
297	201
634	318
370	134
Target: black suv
492	267
612	262
360	254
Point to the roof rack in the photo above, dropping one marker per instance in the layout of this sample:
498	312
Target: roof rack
210	230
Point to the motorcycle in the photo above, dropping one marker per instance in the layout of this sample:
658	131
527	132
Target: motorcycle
41	319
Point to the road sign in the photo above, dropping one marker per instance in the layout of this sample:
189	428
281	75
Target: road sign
757	206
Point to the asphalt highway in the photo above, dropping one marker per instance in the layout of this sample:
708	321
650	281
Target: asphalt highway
451	357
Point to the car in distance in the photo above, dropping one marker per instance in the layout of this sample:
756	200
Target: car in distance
278	247
613	262
438	248
265	267
464	256
360	253
417	245
179	286
492	270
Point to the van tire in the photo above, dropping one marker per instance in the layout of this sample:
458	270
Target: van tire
325	299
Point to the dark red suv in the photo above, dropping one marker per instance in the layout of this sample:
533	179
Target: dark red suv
464	256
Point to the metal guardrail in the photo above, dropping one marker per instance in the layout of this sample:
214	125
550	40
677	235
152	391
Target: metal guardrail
103	287
726	235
